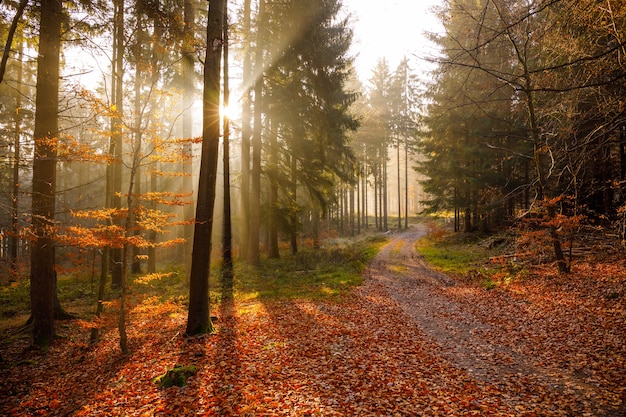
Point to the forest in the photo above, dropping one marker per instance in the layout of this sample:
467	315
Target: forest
188	176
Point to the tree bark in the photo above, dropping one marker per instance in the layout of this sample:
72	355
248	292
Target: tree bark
115	149
15	197
198	320
188	52
227	237
246	129
42	278
257	143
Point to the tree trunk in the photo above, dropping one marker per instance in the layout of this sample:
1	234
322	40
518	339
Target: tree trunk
227	238
15	196
116	132
406	184
198	320
273	251
255	197
244	233
399	188
293	233
42	278
138	133
188	56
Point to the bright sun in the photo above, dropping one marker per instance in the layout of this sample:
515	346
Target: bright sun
232	111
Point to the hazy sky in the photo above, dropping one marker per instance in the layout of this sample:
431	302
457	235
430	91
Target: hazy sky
391	29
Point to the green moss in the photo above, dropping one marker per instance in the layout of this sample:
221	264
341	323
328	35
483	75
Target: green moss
176	376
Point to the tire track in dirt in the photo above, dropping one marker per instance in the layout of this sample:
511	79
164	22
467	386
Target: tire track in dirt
419	291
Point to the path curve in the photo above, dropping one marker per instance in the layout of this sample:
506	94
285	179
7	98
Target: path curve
420	292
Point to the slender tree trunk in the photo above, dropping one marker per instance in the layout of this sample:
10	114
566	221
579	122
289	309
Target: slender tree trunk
293	205
244	235
116	132
43	277
198	320
188	57
273	196
385	191
399	188
138	134
376	197
155	70
255	197
406	184
227	238
15	192
358	198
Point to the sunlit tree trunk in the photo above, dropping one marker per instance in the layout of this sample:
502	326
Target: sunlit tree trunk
138	133
273	196
385	194
227	238
406	183
43	278
198	320
293	214
255	189
15	196
399	186
244	226
188	52
155	70
116	144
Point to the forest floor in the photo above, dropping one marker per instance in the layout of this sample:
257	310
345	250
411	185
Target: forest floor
408	342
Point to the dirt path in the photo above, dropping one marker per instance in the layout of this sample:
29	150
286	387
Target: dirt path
465	339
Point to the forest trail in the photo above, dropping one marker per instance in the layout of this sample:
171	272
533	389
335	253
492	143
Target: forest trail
464	338
408	342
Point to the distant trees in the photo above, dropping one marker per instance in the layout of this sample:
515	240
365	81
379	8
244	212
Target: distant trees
523	109
390	111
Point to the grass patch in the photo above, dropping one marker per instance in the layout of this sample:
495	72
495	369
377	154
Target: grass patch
462	255
450	254
311	274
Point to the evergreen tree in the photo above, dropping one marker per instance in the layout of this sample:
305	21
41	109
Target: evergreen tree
46	134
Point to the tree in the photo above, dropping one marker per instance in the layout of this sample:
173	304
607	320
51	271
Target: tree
227	238
116	139
381	105
43	276
9	41
246	113
307	105
404	97
189	75
253	254
198	320
525	109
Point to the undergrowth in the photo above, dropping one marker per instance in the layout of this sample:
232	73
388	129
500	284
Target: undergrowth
330	271
465	256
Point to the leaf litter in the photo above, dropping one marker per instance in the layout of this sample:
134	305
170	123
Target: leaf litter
410	341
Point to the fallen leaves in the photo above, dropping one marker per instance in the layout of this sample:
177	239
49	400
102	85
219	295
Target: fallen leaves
362	356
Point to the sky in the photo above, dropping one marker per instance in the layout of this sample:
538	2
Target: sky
391	29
